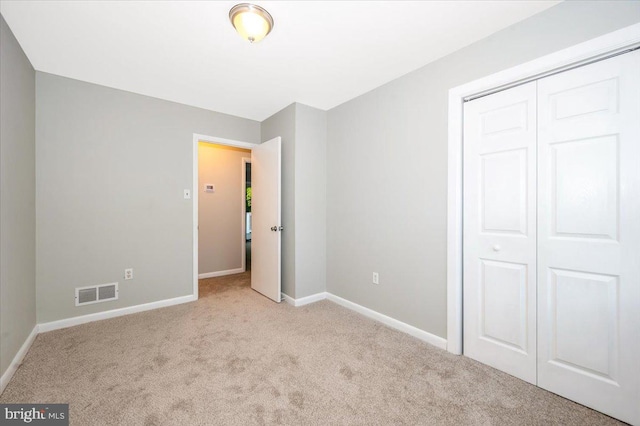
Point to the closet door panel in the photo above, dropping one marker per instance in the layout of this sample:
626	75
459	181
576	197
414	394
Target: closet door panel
499	231
589	235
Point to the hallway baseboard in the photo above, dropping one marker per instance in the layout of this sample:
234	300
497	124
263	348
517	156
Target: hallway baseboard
220	273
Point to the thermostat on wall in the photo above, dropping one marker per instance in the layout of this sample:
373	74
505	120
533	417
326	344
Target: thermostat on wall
209	187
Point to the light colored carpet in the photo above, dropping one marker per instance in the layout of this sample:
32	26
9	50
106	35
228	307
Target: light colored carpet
236	358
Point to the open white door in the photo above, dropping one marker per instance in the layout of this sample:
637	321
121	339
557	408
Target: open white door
265	211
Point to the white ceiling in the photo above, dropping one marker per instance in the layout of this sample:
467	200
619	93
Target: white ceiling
319	53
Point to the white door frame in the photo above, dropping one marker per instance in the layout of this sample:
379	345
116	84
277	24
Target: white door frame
197	138
566	58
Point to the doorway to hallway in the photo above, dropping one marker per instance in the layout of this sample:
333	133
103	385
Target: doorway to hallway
265	223
221	209
247	214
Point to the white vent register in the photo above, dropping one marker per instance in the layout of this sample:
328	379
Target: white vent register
96	294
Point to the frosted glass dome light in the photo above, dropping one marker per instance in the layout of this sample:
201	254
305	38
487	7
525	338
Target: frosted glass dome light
252	22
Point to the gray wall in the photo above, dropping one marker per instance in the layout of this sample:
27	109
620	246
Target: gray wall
310	200
304	136
387	165
283	124
111	170
17	197
221	236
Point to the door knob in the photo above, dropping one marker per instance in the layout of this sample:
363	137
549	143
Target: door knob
280	228
274	228
496	247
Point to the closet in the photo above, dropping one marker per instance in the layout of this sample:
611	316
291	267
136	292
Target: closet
551	233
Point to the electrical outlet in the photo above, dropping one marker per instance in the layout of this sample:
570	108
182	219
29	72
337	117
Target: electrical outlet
128	274
376	278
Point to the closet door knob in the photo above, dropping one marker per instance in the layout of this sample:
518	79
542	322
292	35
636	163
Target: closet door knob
274	228
496	247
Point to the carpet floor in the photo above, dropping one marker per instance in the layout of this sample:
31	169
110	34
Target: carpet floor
236	358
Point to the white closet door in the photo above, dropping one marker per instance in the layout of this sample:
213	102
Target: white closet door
500	231
589	235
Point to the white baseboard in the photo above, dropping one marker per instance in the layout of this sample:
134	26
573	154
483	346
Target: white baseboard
391	322
220	273
304	300
290	300
83	319
17	360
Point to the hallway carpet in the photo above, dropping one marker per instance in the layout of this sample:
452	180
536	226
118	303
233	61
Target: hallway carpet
236	358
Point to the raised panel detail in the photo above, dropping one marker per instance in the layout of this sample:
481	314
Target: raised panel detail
503	192
584	322
595	97
507	119
585	188
503	303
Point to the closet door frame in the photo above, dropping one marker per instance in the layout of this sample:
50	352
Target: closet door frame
600	47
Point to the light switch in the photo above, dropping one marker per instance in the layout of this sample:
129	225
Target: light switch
187	194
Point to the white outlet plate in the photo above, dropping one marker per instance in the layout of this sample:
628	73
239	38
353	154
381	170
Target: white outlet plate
187	194
376	278
128	274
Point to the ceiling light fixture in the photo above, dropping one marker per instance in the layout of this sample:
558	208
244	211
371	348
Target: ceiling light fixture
252	22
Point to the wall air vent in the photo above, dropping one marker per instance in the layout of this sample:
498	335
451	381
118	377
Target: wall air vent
96	294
